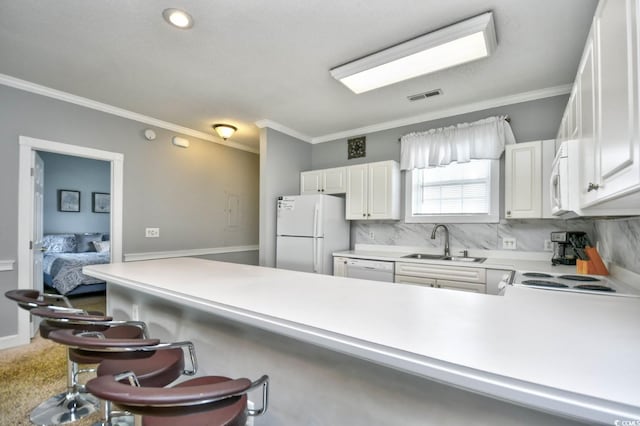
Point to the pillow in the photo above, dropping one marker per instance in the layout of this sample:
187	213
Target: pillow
59	243
83	242
102	246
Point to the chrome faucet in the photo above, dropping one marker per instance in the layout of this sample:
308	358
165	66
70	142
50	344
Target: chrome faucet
447	252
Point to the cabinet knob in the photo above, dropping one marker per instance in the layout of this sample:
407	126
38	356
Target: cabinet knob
368	214
508	212
592	187
364	215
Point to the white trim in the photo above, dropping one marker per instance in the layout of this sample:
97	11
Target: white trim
462	109
12	341
109	109
283	129
27	147
132	257
6	265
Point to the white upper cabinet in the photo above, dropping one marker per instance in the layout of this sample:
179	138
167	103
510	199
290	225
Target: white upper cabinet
617	145
327	181
604	102
373	191
527	172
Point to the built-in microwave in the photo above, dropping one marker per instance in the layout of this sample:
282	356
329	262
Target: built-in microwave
564	181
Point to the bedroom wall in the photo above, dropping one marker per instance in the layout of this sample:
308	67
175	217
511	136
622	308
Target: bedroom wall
182	191
77	174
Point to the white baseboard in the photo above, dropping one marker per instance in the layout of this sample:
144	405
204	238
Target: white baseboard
7	265
131	257
11	341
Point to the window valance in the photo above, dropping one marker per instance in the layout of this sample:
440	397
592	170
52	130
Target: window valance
482	139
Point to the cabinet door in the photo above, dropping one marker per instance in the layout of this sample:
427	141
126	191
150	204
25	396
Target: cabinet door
340	266
523	180
588	170
356	199
334	181
379	191
310	182
616	141
458	285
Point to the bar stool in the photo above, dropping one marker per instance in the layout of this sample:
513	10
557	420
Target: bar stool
76	403
203	401
155	364
29	299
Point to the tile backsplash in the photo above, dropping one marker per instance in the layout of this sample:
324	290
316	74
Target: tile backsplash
529	234
618	239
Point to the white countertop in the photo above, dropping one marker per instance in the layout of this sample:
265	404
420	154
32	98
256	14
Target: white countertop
565	353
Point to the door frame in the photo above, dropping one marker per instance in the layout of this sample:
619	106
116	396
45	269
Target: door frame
25	209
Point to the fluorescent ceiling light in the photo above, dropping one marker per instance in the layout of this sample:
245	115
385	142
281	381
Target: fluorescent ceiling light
457	44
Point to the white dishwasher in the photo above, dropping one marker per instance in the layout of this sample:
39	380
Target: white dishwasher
375	270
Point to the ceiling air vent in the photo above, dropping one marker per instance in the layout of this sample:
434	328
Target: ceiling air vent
425	95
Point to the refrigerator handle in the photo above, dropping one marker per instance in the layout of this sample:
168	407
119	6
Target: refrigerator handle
315	255
316	213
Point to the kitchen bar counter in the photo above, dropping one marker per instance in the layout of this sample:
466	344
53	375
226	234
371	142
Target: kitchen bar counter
568	354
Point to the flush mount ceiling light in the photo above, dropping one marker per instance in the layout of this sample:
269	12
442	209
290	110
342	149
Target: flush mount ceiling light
178	18
225	130
457	44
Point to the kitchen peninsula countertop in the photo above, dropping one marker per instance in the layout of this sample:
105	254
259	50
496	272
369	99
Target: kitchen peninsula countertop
568	354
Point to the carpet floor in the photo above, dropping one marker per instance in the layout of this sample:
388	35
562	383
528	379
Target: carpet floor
32	373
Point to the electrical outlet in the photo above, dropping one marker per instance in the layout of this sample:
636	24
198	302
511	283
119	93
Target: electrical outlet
152	232
372	235
509	243
547	245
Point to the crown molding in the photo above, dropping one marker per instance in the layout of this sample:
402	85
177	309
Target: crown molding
462	109
38	89
283	129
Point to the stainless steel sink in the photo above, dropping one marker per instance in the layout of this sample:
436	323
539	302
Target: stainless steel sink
424	256
464	259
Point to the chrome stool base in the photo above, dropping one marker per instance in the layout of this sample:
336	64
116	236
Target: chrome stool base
64	408
118	421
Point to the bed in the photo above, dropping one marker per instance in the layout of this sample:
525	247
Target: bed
67	254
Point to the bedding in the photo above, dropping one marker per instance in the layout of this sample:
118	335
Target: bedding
65	269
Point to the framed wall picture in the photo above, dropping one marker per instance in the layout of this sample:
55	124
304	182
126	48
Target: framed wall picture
68	200
356	147
100	202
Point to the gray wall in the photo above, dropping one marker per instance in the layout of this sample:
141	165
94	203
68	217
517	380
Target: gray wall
534	120
282	158
78	174
182	191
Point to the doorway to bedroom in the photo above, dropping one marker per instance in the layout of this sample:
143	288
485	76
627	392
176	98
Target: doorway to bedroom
75	222
31	201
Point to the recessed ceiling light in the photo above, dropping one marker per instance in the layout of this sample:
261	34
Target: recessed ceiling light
178	18
457	44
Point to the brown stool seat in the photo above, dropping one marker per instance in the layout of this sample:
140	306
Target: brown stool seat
162	368
118	332
204	401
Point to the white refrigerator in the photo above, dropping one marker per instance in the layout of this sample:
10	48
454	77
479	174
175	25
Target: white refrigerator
309	229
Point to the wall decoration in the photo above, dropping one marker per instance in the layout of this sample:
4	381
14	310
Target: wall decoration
356	147
100	202
68	200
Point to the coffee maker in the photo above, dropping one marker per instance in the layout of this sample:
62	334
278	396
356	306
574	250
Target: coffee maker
569	246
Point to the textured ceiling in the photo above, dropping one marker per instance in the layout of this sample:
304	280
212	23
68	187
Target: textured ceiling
248	60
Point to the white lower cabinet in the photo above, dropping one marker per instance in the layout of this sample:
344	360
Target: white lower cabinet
442	276
340	266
